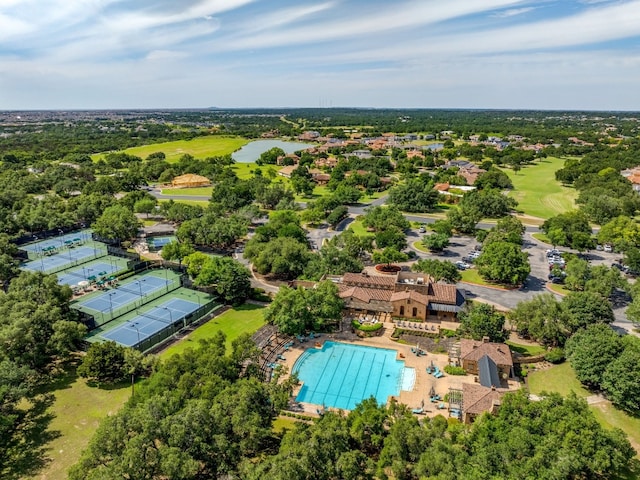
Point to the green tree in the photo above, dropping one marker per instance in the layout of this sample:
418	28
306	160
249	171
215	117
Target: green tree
295	311
282	257
145	206
543	319
587	308
578	273
621	230
104	363
229	277
481	320
621	379
503	262
389	255
415	195
439	270
383	218
176	251
591	351
562	228
117	223
436	242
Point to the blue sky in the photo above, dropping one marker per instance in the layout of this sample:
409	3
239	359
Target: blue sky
543	54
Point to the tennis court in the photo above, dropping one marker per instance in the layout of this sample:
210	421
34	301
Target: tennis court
91	271
64	260
63	241
125	294
151	322
156	243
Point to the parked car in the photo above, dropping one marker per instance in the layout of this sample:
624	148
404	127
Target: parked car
462	265
422	229
608	248
599	248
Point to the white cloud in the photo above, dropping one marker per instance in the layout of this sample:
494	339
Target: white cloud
512	12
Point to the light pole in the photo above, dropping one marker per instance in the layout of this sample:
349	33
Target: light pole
171	315
135	325
111	303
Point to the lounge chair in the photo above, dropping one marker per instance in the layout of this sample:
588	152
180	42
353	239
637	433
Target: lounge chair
441	406
438	375
417	410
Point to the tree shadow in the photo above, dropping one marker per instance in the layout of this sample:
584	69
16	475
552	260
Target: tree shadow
27	451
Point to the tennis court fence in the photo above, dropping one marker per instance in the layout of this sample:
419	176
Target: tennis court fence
171	329
93	319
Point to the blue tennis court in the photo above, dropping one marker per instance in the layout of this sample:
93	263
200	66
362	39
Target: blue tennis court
155	320
99	269
124	294
159	242
59	261
58	242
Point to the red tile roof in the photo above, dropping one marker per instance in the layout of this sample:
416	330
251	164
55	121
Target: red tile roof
477	399
474	350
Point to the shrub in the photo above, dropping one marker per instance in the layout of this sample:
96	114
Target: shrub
555	356
366	327
453	370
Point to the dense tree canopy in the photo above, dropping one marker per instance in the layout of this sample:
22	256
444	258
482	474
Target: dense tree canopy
117	223
440	270
415	195
481	320
503	262
295	311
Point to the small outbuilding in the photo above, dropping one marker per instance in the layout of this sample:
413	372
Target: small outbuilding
190	180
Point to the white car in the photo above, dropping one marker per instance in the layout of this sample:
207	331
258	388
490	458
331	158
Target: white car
608	248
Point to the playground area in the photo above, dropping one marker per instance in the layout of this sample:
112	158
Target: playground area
157	320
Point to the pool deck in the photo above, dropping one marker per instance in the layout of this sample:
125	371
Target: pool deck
423	382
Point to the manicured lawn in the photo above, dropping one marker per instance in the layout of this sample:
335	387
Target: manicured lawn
148	223
200	192
471	275
418	246
245	318
537	191
527	350
541	237
77	411
245	170
559	289
559	378
358	229
200	147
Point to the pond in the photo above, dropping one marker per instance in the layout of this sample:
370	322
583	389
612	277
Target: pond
252	151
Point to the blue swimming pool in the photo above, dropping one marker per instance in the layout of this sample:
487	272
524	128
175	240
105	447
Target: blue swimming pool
341	375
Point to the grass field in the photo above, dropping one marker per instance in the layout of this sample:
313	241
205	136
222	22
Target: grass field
199	147
418	246
77	411
537	191
358	229
559	289
245	318
527	350
559	378
541	237
471	275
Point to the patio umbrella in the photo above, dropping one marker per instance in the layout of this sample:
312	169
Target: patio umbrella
432	392
102	273
92	278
